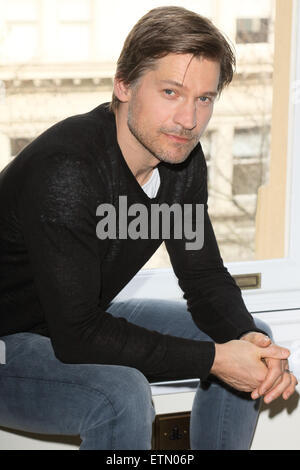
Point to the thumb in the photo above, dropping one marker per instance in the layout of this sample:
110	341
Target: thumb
258	339
275	352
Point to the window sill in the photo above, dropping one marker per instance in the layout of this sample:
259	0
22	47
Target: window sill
275	294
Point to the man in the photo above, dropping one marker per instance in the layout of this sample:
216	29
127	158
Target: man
79	362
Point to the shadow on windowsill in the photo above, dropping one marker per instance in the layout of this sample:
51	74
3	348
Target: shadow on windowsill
279	405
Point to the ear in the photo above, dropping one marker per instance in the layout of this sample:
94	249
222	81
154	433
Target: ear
121	90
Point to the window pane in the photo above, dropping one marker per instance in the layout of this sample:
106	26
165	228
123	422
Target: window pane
206	144
251	142
252	30
21	10
74	10
17	144
21	43
207	147
74	42
246	178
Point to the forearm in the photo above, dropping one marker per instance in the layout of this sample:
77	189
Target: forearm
213	297
115	341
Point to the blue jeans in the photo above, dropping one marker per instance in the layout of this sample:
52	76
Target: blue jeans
111	407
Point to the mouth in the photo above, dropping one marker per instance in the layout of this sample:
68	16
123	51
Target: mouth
177	138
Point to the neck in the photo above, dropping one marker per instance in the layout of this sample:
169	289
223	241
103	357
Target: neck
140	161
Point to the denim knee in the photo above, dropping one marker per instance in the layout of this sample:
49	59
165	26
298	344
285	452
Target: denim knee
126	389
125	420
136	391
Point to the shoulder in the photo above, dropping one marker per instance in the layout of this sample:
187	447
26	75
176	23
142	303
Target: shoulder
82	133
66	152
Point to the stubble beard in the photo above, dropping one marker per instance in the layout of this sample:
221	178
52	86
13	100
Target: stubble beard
152	145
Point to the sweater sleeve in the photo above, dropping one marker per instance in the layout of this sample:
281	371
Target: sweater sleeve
58	217
213	297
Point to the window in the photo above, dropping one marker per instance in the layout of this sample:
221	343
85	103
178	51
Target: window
74	31
21	33
251	143
250	153
246	178
252	30
207	147
17	144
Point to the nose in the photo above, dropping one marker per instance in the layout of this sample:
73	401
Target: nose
186	115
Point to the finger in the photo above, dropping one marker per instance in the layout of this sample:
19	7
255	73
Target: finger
273	378
275	352
291	389
262	340
255	394
278	390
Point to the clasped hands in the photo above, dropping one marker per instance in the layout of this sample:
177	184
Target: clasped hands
279	380
254	364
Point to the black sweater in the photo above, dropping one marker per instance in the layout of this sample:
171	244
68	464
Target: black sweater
58	277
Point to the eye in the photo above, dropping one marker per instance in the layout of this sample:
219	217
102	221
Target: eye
169	92
204	99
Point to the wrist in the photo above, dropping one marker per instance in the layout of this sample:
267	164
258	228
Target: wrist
217	364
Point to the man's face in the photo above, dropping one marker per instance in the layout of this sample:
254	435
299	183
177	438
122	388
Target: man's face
170	106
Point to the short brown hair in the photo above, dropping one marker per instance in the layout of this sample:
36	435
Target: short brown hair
167	30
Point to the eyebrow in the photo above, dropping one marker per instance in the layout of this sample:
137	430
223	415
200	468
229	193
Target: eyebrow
172	82
180	85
